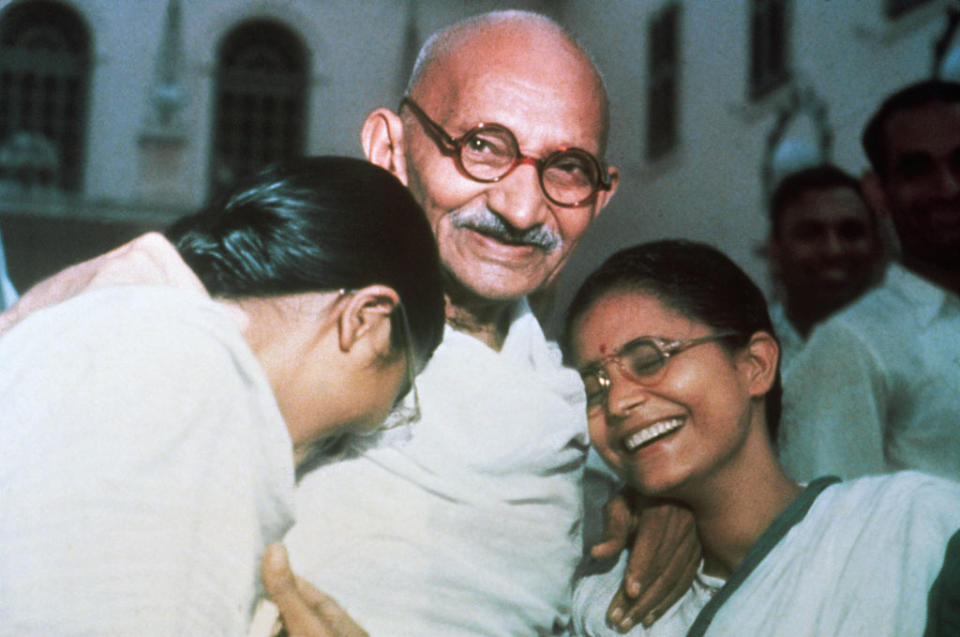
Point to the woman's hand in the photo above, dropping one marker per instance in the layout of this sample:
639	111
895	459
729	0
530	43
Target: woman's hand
303	610
663	560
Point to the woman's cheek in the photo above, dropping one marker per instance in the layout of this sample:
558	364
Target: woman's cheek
600	438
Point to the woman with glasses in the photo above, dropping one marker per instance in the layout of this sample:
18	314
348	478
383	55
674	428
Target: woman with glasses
679	361
151	432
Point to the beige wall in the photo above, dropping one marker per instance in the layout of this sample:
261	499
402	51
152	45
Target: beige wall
708	189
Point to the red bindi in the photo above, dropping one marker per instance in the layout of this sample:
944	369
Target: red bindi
603	348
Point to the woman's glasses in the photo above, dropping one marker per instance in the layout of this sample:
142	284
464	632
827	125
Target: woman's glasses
407	407
640	361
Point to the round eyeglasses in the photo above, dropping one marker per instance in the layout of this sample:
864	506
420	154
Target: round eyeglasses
640	361
487	153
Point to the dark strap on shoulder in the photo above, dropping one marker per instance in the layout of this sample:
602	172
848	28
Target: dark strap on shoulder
790	516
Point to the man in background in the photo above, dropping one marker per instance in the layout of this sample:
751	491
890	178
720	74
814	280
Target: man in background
825	251
875	387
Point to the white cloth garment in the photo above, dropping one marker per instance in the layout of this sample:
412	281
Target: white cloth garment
790	340
469	524
145	466
877	386
857	559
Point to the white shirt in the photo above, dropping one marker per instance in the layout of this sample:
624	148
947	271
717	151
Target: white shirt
877	386
145	466
790	340
857	558
470	523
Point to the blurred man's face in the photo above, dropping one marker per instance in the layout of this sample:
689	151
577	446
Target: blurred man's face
504	240
827	251
922	181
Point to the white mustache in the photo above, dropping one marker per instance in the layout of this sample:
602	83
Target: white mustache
483	220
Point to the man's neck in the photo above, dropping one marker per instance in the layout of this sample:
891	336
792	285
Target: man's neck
803	322
487	321
949	279
806	315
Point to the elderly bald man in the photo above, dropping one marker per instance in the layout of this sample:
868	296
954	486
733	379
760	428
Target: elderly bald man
470	522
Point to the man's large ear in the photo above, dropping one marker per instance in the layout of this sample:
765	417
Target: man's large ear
382	140
366	314
603	196
871	187
759	363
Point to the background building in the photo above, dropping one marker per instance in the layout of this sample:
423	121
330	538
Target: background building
120	115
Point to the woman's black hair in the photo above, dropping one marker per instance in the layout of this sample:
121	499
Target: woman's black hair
320	224
693	279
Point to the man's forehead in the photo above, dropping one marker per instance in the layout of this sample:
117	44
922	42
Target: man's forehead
931	129
523	80
831	206
836	197
539	113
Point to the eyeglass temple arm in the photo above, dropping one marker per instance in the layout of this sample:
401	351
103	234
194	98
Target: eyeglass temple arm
431	126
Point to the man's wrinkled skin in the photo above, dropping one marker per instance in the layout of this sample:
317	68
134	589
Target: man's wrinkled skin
662	564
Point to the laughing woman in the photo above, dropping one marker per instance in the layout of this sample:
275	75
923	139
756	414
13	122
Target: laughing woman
679	361
150	432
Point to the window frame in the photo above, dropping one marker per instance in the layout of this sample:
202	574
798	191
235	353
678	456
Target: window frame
45	78
769	55
664	32
260	108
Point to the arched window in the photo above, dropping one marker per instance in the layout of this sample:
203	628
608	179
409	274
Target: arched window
259	101
44	77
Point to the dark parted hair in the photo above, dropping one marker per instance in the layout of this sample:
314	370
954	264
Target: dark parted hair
320	224
910	97
694	280
815	178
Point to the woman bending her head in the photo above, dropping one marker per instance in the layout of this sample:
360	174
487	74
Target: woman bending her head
156	400
679	361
